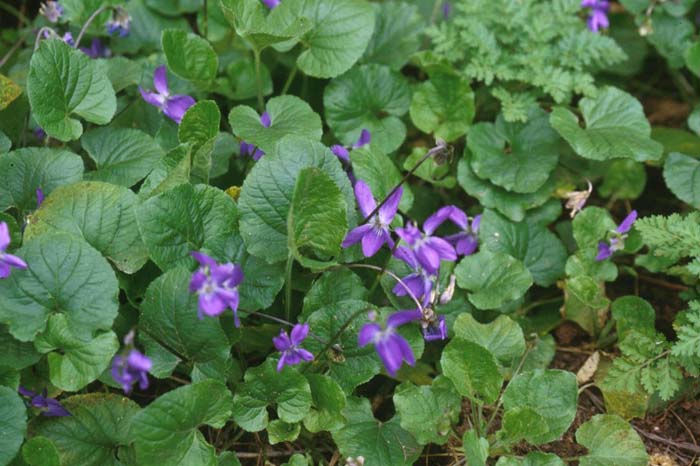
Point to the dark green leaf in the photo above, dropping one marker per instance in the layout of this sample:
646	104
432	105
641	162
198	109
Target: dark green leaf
340	32
397	34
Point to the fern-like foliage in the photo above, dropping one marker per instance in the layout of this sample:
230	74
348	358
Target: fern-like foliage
525	50
673	237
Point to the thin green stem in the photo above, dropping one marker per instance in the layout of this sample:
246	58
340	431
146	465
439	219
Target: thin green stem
500	396
381	273
13	11
524	310
12	51
288	287
205	21
290	79
258	80
87	24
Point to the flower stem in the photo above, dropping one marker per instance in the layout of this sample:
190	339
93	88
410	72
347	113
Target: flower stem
258	80
290	79
441	145
288	287
87	24
14	12
205	20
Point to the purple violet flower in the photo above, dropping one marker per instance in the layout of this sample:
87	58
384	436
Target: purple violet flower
39	197
217	287
8	261
131	369
50	407
436	330
446	10
375	233
173	106
288	345
265	120
598	16
271	4
429	249
96	49
119	22
420	282
391	347
466	241
617	242
51	10
251	151
343	153
39	133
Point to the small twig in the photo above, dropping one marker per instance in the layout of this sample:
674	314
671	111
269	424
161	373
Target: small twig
687	429
663	283
12	51
680	445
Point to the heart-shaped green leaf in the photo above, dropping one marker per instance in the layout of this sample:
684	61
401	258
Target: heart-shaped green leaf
380	443
267	193
28	169
184	219
289	115
167	430
64	82
189	56
516	156
263	386
123	156
615	127
65	275
552	394
339	34
97	431
371	97
74	363
101	213
492	278
611	441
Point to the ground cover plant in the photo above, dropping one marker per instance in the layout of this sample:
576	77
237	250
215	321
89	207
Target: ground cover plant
345	232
